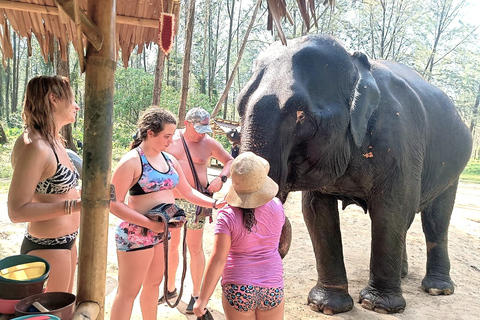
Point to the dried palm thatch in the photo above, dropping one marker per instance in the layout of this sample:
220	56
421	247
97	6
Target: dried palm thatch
277	9
137	23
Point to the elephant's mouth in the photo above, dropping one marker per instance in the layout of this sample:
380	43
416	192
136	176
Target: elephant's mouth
283	192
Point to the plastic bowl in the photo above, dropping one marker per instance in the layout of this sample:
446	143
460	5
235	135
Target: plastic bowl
9	265
60	304
23	272
18	290
8	306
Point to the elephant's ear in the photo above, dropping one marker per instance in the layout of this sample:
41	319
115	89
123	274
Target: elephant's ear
365	98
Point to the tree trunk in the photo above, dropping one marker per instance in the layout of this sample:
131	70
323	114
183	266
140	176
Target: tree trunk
205	53
231	12
239	58
14	74
27	72
7	91
214	60
2	106
3	136
157	87
186	63
63	69
475	111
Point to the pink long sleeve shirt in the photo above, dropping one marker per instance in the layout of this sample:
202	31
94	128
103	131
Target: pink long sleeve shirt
253	258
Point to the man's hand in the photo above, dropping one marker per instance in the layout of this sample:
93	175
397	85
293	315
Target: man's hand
215	185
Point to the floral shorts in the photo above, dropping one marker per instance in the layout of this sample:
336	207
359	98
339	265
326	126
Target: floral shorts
131	237
245	298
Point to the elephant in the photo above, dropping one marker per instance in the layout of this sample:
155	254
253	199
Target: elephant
339	126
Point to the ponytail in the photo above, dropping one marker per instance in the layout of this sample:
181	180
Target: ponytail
249	218
137	139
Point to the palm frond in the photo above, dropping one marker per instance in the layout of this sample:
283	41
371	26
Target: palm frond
277	9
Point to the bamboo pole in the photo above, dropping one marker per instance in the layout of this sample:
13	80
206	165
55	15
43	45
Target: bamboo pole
97	155
87	310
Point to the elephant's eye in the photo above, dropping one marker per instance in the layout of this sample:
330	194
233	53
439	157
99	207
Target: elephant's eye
300	116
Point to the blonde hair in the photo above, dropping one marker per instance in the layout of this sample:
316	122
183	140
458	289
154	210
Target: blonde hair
37	108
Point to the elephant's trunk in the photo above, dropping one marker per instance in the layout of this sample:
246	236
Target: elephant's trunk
267	145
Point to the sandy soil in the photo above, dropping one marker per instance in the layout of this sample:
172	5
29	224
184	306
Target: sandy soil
300	272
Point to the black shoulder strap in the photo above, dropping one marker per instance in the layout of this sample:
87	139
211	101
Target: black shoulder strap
56	157
198	185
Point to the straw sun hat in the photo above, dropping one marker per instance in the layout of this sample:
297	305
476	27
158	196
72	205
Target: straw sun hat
251	185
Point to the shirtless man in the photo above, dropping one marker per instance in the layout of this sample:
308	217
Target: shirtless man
201	147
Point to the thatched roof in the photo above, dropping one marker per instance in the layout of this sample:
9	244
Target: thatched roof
137	23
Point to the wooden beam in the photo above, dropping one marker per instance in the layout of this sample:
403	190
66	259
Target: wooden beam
90	30
38	8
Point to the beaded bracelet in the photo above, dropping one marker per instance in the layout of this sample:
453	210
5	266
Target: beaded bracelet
215	204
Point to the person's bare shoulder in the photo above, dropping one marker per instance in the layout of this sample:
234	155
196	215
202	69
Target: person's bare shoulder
216	149
129	161
176	147
30	146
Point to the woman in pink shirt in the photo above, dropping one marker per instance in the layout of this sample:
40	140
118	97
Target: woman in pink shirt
245	250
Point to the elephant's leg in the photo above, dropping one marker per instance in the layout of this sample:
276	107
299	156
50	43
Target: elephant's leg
435	222
390	223
330	295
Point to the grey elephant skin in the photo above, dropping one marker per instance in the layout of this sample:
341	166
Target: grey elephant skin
338	126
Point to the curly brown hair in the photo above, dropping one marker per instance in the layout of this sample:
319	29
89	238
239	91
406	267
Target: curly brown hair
154	118
249	220
37	108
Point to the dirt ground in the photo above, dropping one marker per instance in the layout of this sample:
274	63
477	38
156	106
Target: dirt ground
300	272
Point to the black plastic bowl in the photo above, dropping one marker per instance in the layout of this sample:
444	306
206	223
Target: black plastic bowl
19	290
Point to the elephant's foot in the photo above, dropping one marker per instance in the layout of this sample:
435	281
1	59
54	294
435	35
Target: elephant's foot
382	301
438	285
330	300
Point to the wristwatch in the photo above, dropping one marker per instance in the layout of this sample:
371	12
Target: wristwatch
223	178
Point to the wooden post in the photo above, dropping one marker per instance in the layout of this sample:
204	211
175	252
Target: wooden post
86	311
97	155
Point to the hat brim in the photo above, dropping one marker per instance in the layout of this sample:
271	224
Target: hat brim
253	199
202	128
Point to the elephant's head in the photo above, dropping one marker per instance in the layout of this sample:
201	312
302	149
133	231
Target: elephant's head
305	108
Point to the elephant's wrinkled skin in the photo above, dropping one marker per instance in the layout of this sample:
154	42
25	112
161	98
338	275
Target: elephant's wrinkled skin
340	127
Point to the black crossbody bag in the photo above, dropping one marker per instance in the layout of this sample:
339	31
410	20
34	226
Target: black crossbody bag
201	211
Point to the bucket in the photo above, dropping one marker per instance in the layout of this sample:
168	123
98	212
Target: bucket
60	304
